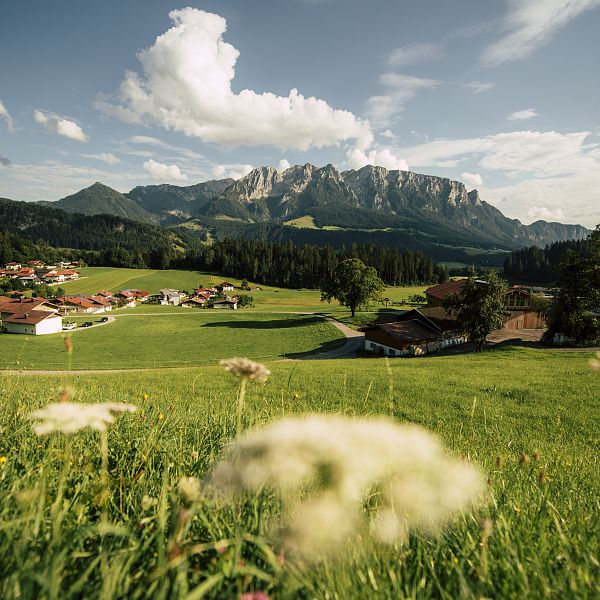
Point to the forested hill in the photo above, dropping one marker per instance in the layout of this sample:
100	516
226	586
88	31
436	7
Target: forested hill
541	265
121	241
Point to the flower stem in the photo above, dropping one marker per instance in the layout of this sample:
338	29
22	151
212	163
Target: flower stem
240	406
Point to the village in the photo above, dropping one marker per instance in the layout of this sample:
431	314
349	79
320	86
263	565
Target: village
20	314
424	329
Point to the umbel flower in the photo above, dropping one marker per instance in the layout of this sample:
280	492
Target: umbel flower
69	417
326	467
246	368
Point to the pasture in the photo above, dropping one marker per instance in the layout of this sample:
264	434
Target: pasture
95	279
171	336
527	417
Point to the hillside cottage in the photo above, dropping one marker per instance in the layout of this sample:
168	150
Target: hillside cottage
33	316
414	333
230	304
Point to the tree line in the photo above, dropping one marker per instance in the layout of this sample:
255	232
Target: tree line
309	266
540	265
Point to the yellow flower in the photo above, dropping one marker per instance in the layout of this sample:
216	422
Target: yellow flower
3	459
161	417
517	509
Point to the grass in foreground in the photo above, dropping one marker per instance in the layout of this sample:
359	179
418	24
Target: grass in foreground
527	417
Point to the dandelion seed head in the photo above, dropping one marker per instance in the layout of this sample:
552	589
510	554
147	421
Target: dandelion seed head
334	462
244	367
70	417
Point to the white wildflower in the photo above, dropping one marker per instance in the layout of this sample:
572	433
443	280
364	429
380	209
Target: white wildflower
246	368
339	461
189	490
69	417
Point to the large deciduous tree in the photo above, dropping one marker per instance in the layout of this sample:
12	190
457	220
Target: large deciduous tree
480	308
353	284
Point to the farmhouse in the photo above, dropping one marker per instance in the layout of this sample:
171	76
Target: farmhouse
227	303
33	316
196	302
518	301
225	287
414	333
171	297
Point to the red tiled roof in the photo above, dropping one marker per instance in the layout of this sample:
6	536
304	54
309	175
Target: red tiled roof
444	289
21	306
409	331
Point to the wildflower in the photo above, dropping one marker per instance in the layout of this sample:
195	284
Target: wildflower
524	460
339	461
189	490
245	368
69	417
68	344
542	477
64	393
145	397
195	455
517	509
3	459
536	455
595	362
161	417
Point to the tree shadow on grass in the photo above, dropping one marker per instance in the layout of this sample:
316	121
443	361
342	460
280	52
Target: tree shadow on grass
300	321
314	354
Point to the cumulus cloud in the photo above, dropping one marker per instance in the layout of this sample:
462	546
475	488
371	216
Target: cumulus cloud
185	85
357	158
543	212
107	157
414	53
478	87
164	173
6	116
284	164
522	115
399	90
233	171
531	24
60	125
5	162
472	179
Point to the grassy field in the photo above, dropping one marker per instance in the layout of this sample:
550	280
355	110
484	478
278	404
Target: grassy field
164	339
492	409
95	279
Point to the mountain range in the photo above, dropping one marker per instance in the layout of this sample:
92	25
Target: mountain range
400	208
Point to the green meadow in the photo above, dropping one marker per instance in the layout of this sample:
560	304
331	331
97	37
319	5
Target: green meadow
171	337
527	417
95	279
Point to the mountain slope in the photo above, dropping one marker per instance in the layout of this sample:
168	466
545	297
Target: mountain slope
375	198
99	199
173	203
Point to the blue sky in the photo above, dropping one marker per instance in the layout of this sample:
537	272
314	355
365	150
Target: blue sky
502	95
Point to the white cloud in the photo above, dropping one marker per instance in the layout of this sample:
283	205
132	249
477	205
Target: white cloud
478	87
185	86
543	212
522	115
414	53
529	25
107	157
387	133
6	116
164	173
60	125
399	90
472	179
233	171
357	158
284	164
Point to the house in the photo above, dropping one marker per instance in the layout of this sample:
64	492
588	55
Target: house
522	314
414	333
74	305
518	301
231	304
126	298
33	316
207	292
171	297
36	264
435	294
12	266
196	302
226	287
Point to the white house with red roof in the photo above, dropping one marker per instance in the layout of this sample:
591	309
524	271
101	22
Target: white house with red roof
33	316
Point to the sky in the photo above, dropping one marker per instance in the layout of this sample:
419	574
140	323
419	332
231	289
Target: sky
503	95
